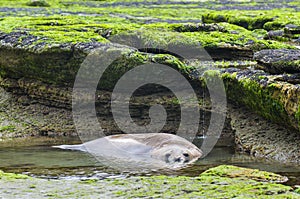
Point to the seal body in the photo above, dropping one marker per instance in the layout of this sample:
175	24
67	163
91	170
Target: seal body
155	149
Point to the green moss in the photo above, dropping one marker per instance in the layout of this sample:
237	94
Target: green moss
286	66
239	172
74	28
8	128
131	59
90	181
210	75
270	20
11	176
157	37
220	182
38	3
262	99
120	66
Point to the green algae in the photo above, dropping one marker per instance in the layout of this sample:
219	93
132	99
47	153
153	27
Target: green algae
214	183
54	29
12	176
286	66
263	19
262	99
38	3
74	28
238	172
169	38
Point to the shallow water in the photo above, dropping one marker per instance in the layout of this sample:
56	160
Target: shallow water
47	162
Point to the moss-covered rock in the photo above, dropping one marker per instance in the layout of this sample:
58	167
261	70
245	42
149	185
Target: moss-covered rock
256	19
40	54
250	22
239	172
11	176
275	100
279	61
214	183
39	3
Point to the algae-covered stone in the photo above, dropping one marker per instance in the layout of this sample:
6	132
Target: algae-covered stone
215	183
39	3
265	94
239	172
279	61
10	176
247	22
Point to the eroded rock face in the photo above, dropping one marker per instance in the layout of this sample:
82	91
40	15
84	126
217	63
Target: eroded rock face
263	139
279	61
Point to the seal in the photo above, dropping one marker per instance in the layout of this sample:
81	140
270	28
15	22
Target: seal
157	149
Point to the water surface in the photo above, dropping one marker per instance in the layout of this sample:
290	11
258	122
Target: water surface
44	161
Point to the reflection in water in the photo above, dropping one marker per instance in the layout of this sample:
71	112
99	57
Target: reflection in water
47	162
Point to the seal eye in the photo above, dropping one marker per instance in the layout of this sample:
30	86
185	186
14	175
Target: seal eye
167	157
186	155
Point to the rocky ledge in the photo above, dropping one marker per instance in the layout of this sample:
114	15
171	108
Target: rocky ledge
41	55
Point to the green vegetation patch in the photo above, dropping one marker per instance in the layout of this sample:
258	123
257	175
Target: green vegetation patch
239	172
11	176
9	128
82	22
220	182
267	98
256	19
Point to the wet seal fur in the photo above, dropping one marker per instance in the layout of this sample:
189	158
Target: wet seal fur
157	150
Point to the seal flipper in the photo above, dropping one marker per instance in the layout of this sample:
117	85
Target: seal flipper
78	147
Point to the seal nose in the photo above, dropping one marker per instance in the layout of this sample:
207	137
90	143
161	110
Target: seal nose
177	159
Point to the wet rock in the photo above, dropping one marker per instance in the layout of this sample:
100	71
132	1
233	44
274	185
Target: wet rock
279	61
199	28
38	3
263	139
218	182
239	172
274	34
291	29
289	33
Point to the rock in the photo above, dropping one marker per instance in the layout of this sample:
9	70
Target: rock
199	27
274	34
291	29
218	182
265	94
38	3
239	172
279	61
263	139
